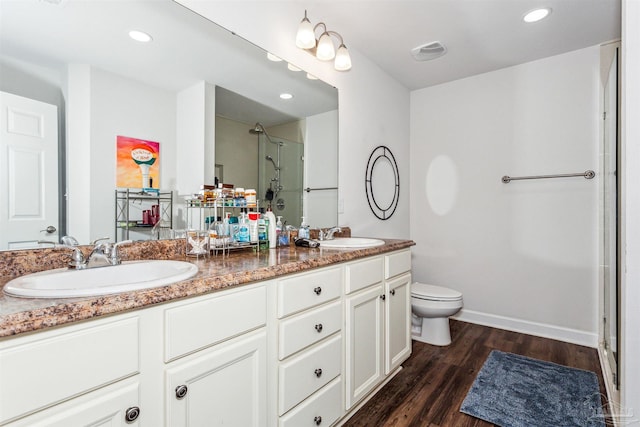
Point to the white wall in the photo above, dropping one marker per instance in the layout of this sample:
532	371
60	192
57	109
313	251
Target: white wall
102	106
321	154
523	254
630	310
374	108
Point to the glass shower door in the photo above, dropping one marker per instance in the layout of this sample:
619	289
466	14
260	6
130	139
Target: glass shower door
610	223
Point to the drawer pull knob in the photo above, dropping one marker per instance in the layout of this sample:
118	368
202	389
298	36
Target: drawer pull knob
131	414
317	290
318	372
383	297
317	420
392	291
181	391
319	327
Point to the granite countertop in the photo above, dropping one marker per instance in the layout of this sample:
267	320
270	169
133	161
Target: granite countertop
20	315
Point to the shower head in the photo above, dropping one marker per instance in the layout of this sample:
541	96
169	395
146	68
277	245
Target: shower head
271	160
257	129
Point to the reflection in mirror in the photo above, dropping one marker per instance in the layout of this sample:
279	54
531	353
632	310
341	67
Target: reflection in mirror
104	84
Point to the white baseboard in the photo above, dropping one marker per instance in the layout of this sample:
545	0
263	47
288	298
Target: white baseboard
544	330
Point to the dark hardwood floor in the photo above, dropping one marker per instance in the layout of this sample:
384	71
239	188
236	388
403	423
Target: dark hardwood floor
435	380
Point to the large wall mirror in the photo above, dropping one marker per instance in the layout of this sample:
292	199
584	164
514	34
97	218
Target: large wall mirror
209	98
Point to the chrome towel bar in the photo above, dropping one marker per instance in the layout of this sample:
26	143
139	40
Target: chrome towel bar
319	189
587	175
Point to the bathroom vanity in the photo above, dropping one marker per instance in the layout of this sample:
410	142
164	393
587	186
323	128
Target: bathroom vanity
286	337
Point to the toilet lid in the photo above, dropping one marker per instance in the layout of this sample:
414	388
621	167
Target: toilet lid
432	292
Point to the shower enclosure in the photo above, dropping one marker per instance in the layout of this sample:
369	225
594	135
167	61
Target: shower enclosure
280	173
609	211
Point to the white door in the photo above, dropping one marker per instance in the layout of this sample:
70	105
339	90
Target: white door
28	172
223	386
365	343
397	331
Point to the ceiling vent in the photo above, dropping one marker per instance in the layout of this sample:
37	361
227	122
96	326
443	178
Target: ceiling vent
429	51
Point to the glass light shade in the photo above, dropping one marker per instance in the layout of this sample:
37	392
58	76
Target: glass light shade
305	39
343	60
325	50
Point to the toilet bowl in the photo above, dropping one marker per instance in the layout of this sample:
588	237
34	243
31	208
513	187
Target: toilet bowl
431	306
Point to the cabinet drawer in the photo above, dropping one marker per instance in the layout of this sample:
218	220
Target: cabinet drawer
323	408
365	273
307	290
397	263
309	327
48	368
193	326
302	375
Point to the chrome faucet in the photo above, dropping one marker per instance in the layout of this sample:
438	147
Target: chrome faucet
105	254
328	233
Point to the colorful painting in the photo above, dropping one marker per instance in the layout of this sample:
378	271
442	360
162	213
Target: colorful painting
138	163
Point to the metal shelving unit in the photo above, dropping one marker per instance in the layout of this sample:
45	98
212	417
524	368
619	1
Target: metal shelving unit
128	219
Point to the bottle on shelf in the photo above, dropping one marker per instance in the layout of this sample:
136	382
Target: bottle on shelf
279	229
271	230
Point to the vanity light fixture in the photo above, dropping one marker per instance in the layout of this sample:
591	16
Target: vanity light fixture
323	48
140	36
273	58
292	67
311	77
536	15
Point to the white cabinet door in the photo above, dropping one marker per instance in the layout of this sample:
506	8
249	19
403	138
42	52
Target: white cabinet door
113	406
365	344
397	335
222	386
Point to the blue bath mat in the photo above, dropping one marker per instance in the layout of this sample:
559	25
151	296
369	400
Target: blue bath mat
517	391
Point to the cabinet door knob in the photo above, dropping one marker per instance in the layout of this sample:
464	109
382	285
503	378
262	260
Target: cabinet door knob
383	297
181	391
317	420
392	291
318	372
131	414
319	327
317	290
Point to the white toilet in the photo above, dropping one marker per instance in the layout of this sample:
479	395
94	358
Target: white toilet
431	306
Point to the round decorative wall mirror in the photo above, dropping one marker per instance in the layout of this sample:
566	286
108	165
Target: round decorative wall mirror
382	182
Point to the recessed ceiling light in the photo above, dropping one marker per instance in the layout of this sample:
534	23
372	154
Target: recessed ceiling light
536	15
286	96
140	36
293	67
273	58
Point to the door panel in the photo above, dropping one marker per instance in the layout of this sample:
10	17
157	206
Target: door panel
28	171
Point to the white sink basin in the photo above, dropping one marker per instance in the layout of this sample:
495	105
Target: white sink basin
350	243
126	277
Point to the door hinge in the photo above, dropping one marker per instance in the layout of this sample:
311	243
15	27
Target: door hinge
604	116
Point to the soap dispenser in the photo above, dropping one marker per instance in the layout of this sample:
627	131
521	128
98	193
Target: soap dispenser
303	232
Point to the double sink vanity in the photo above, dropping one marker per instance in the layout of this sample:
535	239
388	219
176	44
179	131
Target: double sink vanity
288	337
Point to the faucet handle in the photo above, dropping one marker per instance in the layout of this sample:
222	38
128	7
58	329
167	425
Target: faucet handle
69	241
77	258
114	256
99	239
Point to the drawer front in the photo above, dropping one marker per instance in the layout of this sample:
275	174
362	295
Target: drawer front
308	290
66	363
302	375
397	263
308	328
193	326
365	273
323	408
